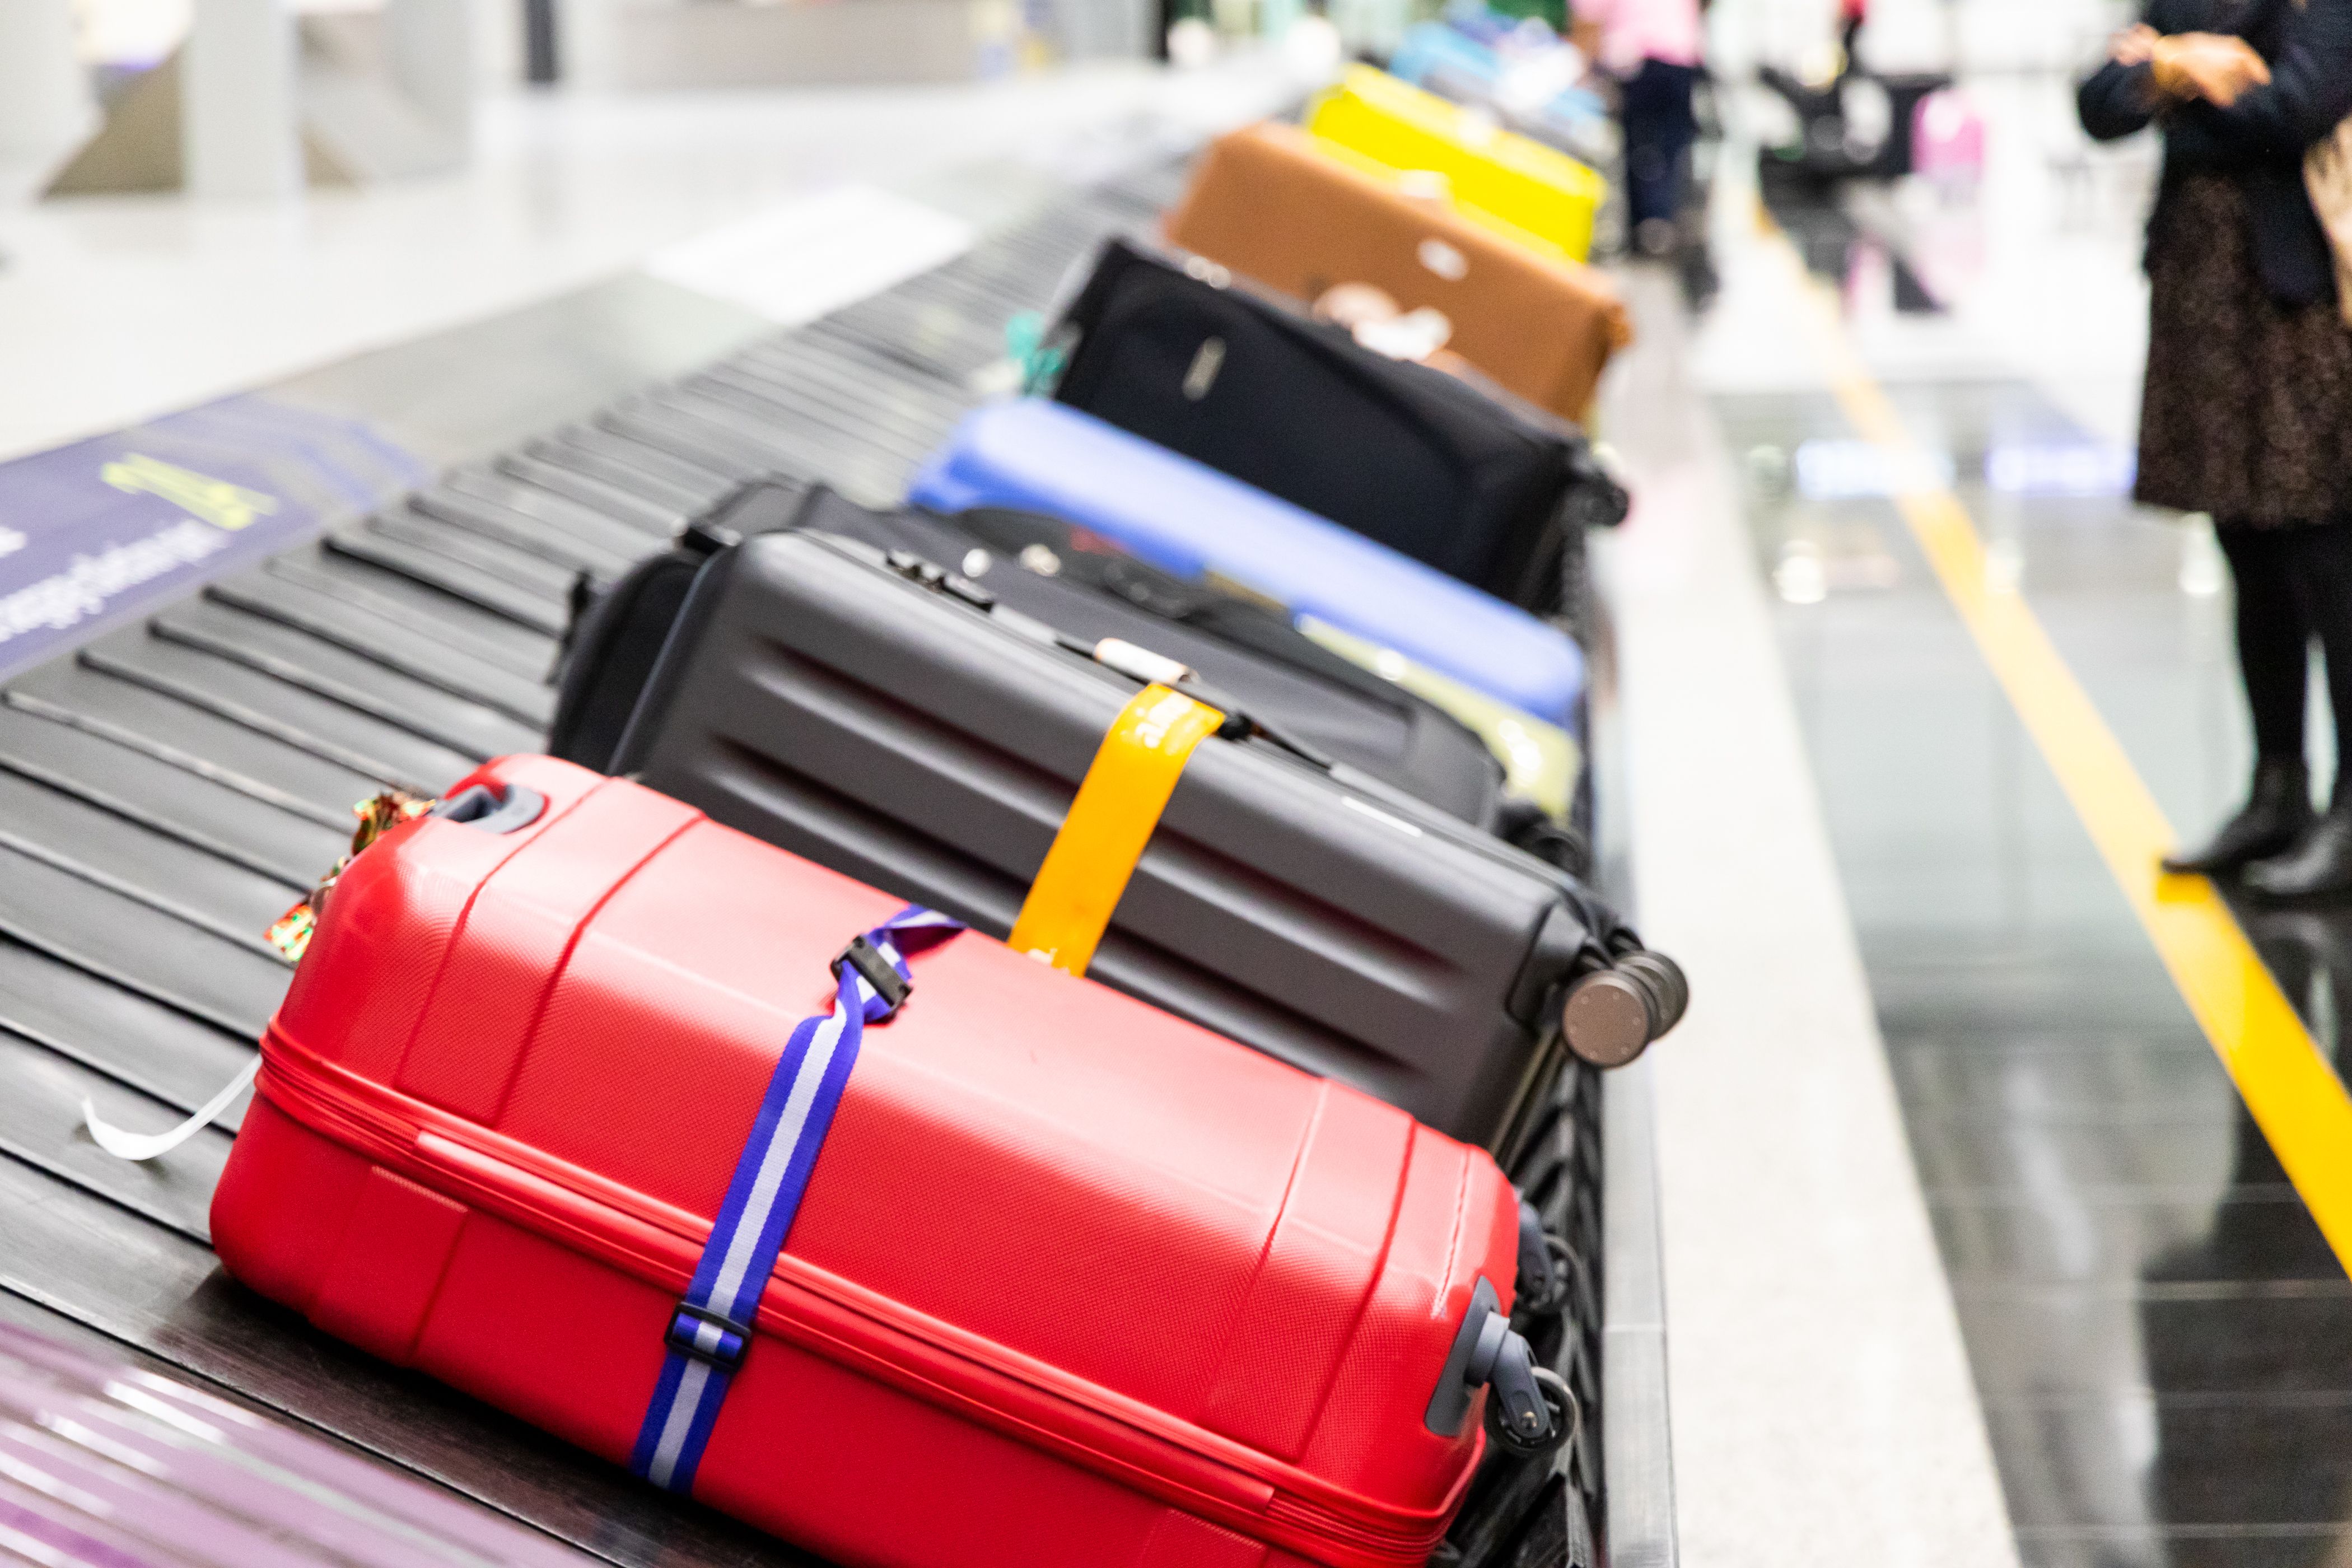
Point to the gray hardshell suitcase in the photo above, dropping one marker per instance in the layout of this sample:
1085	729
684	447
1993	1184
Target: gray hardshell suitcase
880	717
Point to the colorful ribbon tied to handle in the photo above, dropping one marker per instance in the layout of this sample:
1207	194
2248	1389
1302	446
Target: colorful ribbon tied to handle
710	1329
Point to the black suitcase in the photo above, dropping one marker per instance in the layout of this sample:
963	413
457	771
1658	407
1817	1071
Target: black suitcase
1043	567
887	718
1484	488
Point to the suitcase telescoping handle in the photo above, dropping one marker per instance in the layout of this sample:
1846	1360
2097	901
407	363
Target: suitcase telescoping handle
1137	663
1140	664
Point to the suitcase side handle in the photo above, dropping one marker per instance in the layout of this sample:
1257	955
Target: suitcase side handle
1130	660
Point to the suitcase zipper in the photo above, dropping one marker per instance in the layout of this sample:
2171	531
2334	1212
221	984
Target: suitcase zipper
1082	1422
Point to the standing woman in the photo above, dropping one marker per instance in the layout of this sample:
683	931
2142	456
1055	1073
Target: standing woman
1653	49
2247	411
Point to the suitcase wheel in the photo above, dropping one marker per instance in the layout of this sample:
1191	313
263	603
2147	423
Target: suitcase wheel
1517	1428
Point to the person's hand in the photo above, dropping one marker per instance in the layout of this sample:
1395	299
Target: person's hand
2223	68
2211	66
2135	45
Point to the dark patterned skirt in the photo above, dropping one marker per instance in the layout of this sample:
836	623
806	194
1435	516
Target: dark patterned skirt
2247	413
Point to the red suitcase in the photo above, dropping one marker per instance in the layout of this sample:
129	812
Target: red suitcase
1073	1282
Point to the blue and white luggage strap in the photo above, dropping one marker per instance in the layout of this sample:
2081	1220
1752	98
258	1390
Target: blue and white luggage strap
711	1329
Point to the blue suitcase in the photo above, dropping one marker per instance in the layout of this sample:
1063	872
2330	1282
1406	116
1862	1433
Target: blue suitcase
1189	520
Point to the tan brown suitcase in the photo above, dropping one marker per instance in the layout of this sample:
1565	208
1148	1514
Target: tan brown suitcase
1302	215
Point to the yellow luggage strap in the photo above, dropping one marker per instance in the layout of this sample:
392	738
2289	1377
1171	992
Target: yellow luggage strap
1117	805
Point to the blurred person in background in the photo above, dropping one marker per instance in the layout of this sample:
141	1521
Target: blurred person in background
2246	413
1652	48
1851	15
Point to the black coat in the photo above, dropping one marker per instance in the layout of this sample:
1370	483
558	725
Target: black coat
2259	141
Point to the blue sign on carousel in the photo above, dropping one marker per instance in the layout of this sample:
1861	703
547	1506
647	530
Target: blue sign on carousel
98	531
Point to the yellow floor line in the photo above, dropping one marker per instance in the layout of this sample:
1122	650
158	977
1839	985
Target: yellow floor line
2294	1094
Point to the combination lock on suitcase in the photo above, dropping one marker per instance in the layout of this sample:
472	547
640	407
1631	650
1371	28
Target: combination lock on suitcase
882	1237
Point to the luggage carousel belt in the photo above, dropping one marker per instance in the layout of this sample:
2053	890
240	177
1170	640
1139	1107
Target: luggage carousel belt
170	788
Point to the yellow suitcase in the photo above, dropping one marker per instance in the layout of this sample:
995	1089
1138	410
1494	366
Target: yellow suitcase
1518	180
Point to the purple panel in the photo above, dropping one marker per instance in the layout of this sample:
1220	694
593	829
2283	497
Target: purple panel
44	1530
107	528
119	1467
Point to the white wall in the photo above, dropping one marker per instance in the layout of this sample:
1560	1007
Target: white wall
239	102
45	103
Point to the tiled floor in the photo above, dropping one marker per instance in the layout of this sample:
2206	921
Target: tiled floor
2161	1339
1822	1409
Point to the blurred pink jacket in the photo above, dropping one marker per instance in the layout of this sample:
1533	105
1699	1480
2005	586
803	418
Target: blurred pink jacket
1632	31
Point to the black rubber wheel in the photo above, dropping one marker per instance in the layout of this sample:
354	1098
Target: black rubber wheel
1567	1417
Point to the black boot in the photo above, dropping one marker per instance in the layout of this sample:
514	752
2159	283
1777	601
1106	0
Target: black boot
2273	821
2319	867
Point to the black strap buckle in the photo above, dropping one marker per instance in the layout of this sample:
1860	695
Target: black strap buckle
876	972
685	1336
